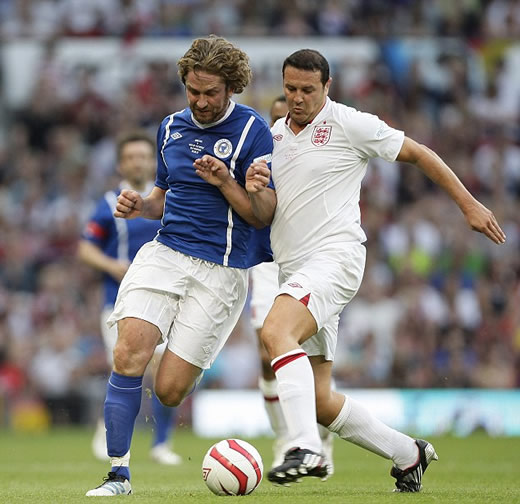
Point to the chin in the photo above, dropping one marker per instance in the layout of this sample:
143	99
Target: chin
204	120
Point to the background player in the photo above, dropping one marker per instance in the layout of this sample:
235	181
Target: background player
317	238
264	282
109	245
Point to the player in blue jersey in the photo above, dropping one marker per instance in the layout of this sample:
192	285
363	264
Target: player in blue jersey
189	285
109	245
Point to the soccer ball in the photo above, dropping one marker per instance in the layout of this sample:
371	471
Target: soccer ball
232	467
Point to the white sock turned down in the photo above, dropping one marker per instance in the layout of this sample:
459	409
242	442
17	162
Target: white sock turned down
357	425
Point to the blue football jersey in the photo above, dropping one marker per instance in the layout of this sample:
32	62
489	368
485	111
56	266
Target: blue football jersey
198	220
117	238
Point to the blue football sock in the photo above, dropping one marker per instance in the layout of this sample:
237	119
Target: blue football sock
122	405
165	421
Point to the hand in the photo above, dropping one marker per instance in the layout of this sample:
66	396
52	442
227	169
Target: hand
212	170
257	177
129	204
482	220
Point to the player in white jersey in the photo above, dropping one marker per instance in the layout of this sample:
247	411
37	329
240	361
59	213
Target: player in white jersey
109	245
189	285
321	151
264	282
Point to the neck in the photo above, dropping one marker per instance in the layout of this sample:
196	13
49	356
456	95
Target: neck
135	185
224	110
295	127
139	187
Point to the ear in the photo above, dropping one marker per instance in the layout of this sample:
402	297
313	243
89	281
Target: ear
327	86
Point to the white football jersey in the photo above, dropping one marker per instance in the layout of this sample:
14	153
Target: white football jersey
317	175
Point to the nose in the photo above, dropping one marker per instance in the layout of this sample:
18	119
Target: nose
201	102
298	98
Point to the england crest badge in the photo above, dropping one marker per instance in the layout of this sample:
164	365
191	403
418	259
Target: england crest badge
321	135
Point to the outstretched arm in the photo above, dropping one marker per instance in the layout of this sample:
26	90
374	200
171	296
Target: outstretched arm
215	172
479	217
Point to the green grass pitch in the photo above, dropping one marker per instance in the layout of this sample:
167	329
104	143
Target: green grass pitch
58	467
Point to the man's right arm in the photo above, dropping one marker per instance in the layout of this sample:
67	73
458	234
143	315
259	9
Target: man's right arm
479	217
130	204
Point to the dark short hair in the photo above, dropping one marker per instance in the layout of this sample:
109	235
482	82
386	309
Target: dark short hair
133	136
280	98
308	59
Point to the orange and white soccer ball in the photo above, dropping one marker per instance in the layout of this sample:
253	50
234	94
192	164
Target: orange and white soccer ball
232	467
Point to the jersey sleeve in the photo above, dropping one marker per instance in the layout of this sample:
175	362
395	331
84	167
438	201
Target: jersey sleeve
261	148
162	169
97	228
371	136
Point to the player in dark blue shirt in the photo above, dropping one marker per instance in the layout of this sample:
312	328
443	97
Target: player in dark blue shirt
188	286
109	244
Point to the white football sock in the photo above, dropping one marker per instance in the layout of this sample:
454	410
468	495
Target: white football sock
357	425
273	408
297	399
324	432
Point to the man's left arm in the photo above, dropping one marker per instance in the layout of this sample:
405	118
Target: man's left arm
479	217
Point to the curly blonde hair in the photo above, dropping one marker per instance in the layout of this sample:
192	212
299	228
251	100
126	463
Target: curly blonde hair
217	56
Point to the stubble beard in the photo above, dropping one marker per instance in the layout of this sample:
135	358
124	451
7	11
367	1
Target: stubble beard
214	117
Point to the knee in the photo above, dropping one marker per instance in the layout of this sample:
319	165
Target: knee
267	370
136	340
129	360
268	339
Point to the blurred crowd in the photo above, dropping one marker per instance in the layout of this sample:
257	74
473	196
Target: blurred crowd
156	18
439	303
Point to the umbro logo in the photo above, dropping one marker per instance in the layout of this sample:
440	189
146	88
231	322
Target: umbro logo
176	135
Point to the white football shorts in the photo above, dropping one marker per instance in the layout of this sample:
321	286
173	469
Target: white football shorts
264	280
194	303
325	282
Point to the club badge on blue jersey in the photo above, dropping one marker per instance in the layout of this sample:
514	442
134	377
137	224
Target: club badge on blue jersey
222	148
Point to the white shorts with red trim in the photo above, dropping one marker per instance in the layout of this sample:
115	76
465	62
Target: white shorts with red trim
264	280
194	303
325	282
